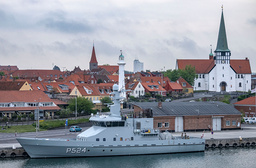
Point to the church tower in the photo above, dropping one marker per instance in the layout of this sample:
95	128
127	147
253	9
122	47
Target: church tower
121	81
93	63
222	53
224	76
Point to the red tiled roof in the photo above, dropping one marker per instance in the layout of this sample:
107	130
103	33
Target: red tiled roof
11	85
37	86
201	66
75	78
173	86
8	68
241	66
24	96
247	101
110	68
134	85
34	73
181	80
93	57
113	78
147	88
94	90
205	66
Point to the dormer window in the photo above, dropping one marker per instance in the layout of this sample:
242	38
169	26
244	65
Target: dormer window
87	90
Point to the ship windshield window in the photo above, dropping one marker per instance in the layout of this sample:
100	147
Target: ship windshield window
109	123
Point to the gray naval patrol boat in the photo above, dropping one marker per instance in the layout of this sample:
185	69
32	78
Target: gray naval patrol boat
113	135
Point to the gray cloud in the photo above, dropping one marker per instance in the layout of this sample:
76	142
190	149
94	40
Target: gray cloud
252	21
6	20
7	48
185	44
58	20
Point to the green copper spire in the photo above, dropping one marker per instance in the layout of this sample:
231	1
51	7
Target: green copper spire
222	44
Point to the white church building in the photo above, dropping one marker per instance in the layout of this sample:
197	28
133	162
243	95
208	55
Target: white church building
220	73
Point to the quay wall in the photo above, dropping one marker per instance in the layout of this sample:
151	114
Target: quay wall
234	142
12	152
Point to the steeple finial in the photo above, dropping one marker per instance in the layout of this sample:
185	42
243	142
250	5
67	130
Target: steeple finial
121	52
211	54
222	7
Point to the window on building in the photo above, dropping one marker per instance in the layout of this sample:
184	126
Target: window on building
238	76
203	76
222	75
242	76
233	123
199	84
159	125
114	139
184	84
231	78
228	123
104	139
213	86
166	125
240	84
212	78
132	138
200	76
223	67
121	138
97	139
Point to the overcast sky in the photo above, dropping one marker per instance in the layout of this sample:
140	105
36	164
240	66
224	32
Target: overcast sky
35	34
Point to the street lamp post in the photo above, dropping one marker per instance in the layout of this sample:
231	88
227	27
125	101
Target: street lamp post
76	107
37	122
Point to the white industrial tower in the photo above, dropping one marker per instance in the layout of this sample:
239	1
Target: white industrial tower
121	81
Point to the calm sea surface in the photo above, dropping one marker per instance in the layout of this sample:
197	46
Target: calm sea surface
235	158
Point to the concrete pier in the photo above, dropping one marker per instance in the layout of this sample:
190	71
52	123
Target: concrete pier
226	143
12	152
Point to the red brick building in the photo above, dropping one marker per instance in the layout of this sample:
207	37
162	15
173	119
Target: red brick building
190	116
247	106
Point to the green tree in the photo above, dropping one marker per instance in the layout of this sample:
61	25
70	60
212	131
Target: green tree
147	94
173	75
189	74
2	73
83	105
105	100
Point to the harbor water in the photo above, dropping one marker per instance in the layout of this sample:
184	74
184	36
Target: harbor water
225	158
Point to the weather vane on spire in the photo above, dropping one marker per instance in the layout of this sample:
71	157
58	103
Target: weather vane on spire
121	52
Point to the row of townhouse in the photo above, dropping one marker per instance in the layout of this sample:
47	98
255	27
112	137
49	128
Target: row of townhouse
139	84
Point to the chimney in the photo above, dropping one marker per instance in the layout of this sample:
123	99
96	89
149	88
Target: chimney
160	105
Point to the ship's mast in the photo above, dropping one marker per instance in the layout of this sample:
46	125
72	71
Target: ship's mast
115	108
